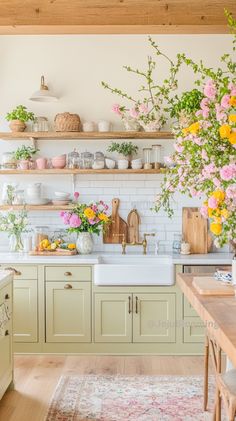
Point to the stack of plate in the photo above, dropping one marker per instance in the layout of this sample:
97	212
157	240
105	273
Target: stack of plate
61	198
37	201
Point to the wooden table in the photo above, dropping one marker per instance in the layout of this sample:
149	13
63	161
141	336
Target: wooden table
218	313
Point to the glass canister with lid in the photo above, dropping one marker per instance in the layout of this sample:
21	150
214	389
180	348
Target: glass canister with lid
41	124
87	159
8	160
74	159
147	158
40	233
99	161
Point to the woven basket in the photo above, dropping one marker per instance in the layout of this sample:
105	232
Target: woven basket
66	122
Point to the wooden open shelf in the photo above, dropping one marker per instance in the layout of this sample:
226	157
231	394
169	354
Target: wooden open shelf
84	135
78	171
35	207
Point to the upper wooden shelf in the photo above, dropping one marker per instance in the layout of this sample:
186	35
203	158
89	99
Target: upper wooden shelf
78	171
84	135
49	207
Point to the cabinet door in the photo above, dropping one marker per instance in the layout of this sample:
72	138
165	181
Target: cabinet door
68	312
5	358
194	330
113	317
154	317
25	314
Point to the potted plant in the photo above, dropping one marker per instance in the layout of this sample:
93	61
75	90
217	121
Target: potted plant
185	107
23	155
125	152
18	117
86	219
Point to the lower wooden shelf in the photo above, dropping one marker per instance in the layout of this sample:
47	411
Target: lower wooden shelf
79	171
35	207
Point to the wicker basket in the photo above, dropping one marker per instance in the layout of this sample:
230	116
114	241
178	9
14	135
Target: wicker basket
66	122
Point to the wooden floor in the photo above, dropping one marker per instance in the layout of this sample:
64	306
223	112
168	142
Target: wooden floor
36	377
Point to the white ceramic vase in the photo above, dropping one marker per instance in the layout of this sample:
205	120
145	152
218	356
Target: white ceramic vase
84	243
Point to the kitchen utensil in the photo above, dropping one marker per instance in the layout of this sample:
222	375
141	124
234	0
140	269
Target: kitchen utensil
8	160
99	161
123	164
73	159
110	163
37	201
34	191
133	222
157	156
87	160
195	230
117	227
59	162
206	285
41	163
62	195
147	158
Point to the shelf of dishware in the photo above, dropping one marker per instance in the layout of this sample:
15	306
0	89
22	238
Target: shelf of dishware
84	135
76	171
48	207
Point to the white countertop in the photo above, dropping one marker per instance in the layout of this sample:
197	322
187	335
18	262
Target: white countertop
192	259
5	277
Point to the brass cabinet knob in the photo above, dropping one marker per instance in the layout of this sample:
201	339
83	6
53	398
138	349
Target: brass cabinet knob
67	274
16	272
7	333
68	286
129	311
7	297
136	305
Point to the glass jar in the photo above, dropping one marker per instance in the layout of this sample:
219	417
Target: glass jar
41	124
176	245
8	193
99	161
19	198
147	158
73	159
87	160
8	160
156	156
40	234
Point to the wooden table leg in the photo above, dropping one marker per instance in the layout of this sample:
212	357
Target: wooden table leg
206	368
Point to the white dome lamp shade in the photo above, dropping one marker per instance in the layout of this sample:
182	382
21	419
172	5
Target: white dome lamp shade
44	94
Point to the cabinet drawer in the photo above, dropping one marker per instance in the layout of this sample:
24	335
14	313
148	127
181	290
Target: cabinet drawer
194	330
68	273
5	352
188	309
23	272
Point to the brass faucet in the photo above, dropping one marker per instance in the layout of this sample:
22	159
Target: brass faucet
135	243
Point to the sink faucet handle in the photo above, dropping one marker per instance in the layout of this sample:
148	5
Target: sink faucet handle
146	234
123	242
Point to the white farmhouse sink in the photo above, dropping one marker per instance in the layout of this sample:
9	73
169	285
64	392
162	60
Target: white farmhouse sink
134	270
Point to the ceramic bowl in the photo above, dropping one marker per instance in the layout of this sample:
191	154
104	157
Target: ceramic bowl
123	164
136	161
61	195
110	163
59	161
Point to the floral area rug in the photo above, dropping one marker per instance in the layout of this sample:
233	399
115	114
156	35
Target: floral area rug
130	398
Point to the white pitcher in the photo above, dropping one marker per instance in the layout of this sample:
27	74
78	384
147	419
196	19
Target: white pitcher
34	190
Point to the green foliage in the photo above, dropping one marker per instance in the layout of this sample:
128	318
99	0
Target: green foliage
124	148
20	113
189	102
25	152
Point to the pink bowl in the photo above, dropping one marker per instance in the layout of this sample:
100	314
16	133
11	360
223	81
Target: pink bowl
59	161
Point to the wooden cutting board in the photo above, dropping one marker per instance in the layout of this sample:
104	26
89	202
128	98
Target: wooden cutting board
57	252
195	230
133	221
209	286
117	227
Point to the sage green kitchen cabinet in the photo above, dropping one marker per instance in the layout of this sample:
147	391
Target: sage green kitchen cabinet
154	317
194	330
68	312
6	360
113	317
25	315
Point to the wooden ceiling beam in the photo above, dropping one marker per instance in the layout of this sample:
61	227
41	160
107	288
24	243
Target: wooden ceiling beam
114	16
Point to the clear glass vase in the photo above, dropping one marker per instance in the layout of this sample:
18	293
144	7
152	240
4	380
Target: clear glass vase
16	243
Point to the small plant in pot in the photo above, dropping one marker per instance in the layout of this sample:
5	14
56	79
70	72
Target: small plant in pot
125	152
184	108
18	117
23	155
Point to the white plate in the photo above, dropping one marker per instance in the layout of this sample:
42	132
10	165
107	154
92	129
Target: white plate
37	201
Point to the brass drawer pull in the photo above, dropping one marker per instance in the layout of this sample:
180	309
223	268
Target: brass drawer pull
129	311
16	272
7	333
136	305
67	274
68	286
7	297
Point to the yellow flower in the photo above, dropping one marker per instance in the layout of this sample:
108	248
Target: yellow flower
103	217
232	101
224	213
232	118
216	228
71	246
217	219
89	213
185	131
194	128
219	195
213	212
232	138
224	131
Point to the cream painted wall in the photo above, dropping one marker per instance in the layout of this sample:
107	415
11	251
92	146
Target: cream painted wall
74	67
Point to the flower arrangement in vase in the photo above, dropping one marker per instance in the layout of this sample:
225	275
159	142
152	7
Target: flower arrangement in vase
151	111
15	224
86	219
18	117
204	161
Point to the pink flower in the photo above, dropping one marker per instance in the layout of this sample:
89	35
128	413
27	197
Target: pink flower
204	104
228	172
143	108
178	148
76	195
66	218
204	155
231	192
62	213
116	109
75	221
232	88
92	221
204	211
133	113
212	202
216	182
225	101
168	159
210	89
